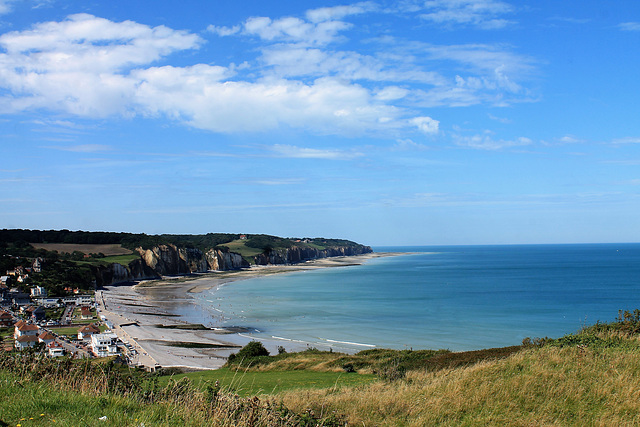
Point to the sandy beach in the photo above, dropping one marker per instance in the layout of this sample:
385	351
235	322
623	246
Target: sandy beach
143	315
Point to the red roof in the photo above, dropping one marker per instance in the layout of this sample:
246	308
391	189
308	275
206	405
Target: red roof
89	329
27	327
47	336
27	338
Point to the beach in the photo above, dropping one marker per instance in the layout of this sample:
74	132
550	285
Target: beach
144	315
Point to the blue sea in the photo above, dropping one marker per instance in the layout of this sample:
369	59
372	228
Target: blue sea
435	297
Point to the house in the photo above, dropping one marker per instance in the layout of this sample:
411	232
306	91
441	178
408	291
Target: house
6	319
26	329
85	313
85	332
104	345
55	349
25	341
38	291
36	266
46	337
18	298
35	313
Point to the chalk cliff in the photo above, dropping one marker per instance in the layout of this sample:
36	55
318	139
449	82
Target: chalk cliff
169	260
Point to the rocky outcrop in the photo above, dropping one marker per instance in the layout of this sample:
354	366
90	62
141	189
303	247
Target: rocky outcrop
169	260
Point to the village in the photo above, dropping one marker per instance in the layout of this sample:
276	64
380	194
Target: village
56	326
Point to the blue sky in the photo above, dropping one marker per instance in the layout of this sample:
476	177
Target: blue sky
385	122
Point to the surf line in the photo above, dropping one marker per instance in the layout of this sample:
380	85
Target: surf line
348	342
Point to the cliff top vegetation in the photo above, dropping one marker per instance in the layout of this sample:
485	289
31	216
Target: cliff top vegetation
131	241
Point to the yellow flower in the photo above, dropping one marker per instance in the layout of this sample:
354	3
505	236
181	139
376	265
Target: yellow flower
42	415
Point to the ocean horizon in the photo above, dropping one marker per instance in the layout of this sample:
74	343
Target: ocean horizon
433	297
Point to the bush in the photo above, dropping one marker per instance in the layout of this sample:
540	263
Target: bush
253	349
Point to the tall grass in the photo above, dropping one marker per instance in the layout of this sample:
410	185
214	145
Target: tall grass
105	385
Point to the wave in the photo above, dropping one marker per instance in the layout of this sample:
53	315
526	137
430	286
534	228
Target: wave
348	343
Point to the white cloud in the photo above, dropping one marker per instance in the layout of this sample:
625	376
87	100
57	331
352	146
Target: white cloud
292	151
479	13
338	12
79	65
426	125
629	26
627	140
224	31
297	61
486	142
296	30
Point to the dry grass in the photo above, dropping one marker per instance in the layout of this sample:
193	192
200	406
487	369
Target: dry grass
108	250
546	386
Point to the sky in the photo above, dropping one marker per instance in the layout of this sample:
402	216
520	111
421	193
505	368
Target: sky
390	122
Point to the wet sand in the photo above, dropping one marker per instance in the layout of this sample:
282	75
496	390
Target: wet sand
144	315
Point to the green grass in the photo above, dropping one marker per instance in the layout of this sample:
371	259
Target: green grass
247	383
31	404
238	246
72	331
115	259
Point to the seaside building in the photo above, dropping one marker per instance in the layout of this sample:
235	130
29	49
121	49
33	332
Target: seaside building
85	332
104	345
55	349
46	337
25	329
25	341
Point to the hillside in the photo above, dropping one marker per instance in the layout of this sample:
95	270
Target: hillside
587	378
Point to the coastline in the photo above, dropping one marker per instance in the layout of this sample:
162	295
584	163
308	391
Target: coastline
144	314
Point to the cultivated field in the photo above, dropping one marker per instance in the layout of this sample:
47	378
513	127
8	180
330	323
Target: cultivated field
108	250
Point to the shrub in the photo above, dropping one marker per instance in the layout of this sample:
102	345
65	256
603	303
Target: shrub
253	349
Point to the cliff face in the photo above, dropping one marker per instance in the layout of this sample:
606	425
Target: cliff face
168	260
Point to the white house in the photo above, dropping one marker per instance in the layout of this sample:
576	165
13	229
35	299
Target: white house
38	291
46	337
55	349
85	332
23	328
104	345
25	341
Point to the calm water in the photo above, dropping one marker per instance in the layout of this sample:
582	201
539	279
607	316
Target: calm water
460	298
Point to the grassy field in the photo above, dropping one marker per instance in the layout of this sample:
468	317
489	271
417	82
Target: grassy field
251	383
108	250
238	246
115	259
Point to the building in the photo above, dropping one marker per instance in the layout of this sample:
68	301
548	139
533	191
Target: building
25	341
104	345
38	291
55	349
6	319
23	328
85	332
46	337
35	313
85	313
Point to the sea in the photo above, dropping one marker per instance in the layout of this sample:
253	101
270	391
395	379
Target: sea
433	297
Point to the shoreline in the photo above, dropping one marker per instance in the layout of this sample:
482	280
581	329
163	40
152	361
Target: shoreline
144	314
